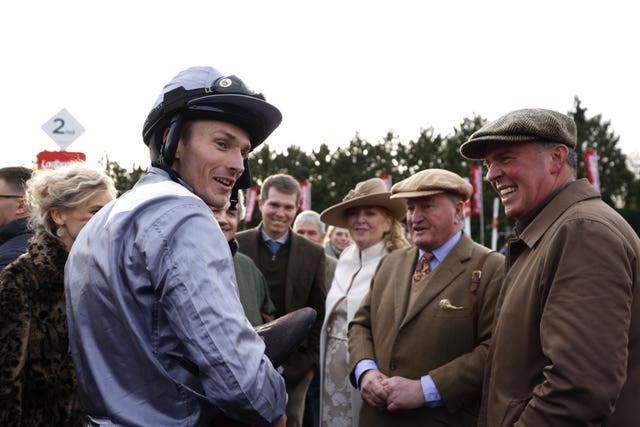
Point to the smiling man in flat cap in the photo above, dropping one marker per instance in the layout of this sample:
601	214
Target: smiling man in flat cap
419	340
566	344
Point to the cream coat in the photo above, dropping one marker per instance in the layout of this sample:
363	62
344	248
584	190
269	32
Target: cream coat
352	279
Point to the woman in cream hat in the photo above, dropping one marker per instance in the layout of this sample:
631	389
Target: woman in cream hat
372	219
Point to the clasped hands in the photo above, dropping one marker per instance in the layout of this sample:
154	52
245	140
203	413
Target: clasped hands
390	393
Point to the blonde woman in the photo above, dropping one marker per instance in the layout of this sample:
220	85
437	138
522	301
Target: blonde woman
37	380
337	241
372	219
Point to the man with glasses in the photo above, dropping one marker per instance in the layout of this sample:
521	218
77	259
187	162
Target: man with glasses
14	214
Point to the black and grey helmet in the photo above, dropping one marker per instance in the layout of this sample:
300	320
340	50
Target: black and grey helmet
204	93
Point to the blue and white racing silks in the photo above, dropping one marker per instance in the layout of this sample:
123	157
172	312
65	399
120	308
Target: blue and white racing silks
157	332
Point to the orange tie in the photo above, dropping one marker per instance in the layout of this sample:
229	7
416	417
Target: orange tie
423	268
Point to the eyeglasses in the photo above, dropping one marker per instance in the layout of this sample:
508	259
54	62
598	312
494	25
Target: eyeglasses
10	196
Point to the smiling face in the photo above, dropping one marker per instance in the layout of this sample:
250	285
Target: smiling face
227	219
278	210
432	220
525	174
310	231
210	158
367	225
340	238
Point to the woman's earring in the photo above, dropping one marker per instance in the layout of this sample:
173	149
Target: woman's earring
60	232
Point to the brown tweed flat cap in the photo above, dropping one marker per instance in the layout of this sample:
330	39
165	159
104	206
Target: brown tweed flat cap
527	125
431	181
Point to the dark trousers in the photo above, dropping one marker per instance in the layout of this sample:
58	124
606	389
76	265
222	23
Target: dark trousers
312	404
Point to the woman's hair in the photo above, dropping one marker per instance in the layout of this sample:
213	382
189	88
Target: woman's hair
63	188
395	237
327	236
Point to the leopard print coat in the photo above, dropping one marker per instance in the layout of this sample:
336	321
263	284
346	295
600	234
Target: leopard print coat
37	380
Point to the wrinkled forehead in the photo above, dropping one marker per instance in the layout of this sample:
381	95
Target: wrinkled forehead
307	225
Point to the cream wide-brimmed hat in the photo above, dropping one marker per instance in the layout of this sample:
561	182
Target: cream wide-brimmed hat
372	192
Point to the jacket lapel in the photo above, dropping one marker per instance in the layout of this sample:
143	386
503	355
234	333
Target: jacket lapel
292	271
441	277
252	250
402	280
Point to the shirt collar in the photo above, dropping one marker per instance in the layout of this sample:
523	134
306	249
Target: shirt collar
282	239
441	253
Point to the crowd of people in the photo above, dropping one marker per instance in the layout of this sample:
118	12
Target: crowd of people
144	310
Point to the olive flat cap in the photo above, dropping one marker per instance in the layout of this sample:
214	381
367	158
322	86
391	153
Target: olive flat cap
431	181
527	125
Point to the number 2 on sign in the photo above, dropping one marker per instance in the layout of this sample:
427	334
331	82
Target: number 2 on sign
59	130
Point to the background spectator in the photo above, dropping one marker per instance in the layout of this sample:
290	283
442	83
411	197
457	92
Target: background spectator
372	218
14	211
295	271
338	240
37	380
418	342
252	286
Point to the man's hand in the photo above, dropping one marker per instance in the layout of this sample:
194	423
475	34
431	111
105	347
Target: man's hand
372	390
403	393
282	422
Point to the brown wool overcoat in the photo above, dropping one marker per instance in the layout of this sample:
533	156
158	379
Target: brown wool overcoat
566	345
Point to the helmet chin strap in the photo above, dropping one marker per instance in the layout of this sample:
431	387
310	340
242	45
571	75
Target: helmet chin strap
169	146
170	143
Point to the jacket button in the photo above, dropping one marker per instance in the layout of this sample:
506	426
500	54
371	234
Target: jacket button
392	366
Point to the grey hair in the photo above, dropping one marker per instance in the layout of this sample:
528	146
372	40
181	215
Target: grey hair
63	188
312	217
572	157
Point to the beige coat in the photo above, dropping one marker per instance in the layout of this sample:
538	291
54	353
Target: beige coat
428	339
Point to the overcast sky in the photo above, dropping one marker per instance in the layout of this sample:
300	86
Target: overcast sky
334	68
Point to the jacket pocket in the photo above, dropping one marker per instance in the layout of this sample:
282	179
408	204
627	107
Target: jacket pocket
448	310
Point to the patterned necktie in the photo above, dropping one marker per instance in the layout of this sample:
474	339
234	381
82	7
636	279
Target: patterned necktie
274	246
423	268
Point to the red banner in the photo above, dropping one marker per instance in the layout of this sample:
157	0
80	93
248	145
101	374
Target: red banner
55	159
591	163
252	194
476	182
387	181
466	209
305	196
